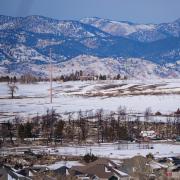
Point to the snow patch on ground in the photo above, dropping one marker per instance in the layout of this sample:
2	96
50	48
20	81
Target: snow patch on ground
72	96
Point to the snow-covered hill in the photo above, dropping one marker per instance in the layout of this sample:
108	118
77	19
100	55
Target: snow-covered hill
131	67
90	65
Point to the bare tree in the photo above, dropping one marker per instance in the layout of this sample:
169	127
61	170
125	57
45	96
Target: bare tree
12	89
147	117
82	126
48	122
100	128
177	119
58	133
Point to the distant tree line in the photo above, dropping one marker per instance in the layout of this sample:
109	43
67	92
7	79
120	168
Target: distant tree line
74	76
8	79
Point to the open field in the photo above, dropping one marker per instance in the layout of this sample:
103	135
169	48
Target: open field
135	95
108	150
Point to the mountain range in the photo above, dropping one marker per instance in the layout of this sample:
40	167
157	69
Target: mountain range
91	44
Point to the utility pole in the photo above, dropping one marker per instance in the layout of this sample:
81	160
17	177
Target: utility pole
50	76
126	69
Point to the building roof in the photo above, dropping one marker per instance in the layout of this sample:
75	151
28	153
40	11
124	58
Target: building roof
156	165
6	170
120	173
102	168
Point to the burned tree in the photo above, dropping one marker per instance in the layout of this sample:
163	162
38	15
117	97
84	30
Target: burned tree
6	131
147	117
48	122
100	126
82	126
58	132
21	133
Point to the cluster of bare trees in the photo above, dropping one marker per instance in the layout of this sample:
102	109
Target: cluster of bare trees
82	127
29	78
8	79
12	82
26	79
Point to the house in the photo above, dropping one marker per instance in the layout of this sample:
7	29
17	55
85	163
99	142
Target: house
168	167
157	169
58	169
27	172
174	171
103	169
40	168
62	171
7	173
148	134
88	77
136	167
175	174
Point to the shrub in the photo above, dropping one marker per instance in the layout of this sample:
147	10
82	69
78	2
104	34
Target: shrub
158	113
89	158
150	156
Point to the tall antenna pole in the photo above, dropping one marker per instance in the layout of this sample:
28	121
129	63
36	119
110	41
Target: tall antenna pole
50	76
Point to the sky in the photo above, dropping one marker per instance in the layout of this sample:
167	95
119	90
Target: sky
138	11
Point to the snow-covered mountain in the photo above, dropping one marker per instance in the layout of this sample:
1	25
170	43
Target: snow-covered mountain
40	24
162	31
117	28
92	44
140	32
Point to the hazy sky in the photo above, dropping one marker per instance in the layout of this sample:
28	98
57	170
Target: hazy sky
142	11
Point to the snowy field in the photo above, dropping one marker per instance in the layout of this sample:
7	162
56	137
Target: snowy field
112	151
108	150
135	95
